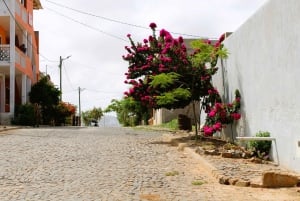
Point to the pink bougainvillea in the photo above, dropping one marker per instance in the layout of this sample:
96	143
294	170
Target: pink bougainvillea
220	114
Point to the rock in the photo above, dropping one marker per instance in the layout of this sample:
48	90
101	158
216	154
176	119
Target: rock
256	185
199	150
181	146
236	154
242	183
256	160
277	179
226	154
212	152
224	180
246	154
232	181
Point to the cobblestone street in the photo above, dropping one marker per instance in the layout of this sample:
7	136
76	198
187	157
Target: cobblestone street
108	164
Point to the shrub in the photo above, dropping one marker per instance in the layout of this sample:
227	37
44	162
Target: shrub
261	149
24	115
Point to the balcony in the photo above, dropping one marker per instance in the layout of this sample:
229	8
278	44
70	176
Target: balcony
4	53
21	59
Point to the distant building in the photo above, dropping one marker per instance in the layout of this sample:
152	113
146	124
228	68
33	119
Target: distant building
19	54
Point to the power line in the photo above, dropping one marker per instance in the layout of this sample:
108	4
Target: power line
117	21
89	26
68	79
98	16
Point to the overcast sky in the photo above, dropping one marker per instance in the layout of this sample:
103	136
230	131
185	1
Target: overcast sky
94	34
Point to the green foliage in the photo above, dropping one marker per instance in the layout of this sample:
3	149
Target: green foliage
172	173
62	112
207	53
164	80
173	97
129	112
92	115
47	96
164	74
198	183
44	93
259	148
24	115
173	124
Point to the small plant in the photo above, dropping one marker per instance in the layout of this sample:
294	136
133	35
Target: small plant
261	149
173	124
172	173
198	183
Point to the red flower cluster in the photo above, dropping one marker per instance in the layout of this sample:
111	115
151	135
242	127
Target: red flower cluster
221	113
154	56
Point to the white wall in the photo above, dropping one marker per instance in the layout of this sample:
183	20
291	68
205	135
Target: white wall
264	64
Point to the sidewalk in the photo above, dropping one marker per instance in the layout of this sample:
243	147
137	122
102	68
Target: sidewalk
235	171
7	127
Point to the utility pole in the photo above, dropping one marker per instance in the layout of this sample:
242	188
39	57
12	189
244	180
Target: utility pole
60	74
79	106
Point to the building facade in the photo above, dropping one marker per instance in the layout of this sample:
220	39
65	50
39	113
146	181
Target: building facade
19	54
263	63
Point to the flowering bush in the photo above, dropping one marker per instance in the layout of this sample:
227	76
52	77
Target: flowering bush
220	114
163	74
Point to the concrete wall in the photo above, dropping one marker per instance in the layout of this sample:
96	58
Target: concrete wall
164	115
264	64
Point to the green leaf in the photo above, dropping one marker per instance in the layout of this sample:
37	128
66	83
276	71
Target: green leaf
164	80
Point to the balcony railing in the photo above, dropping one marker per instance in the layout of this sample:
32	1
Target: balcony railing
4	53
20	57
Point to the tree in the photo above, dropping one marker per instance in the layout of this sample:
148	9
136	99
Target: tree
93	115
163	74
129	111
63	111
46	96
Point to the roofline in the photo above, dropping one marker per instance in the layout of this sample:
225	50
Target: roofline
37	4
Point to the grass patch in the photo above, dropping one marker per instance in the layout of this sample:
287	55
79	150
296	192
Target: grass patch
172	125
172	173
198	183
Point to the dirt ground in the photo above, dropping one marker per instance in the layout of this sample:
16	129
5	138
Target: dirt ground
217	191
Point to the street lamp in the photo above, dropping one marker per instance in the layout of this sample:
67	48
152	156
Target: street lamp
60	73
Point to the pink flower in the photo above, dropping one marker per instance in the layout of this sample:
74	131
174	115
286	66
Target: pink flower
163	33
217	126
217	44
208	131
180	39
218	106
236	116
131	90
128	35
145	40
212	113
222	37
207	41
152	25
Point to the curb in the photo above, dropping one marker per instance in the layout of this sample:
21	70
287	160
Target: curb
7	128
208	167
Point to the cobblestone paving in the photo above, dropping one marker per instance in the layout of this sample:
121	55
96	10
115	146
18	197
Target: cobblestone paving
106	164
